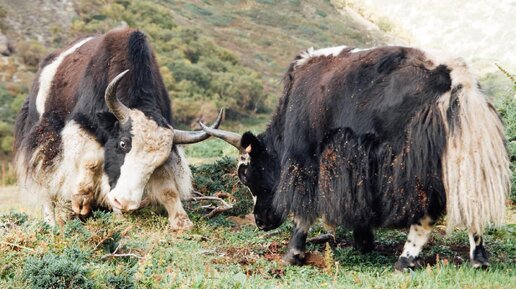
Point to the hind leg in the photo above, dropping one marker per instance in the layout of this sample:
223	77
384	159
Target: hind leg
417	238
363	239
477	252
49	214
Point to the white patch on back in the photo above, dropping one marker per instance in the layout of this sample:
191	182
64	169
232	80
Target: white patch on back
47	75
311	53
355	50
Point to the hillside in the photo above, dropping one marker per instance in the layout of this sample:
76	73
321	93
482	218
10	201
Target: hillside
212	54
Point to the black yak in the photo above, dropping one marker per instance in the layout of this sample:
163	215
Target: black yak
383	137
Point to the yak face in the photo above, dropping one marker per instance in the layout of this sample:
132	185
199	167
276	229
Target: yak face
133	150
258	169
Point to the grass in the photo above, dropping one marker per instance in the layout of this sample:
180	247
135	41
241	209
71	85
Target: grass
223	253
139	251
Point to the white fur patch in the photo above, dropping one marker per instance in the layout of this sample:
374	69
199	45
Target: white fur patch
475	162
355	50
76	170
47	75
311	53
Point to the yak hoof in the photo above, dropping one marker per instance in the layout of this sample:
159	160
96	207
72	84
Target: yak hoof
294	257
81	205
480	259
181	223
405	264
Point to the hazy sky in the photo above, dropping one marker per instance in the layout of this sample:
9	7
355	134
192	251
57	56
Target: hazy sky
481	31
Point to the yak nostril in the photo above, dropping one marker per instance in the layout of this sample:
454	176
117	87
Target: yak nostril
119	204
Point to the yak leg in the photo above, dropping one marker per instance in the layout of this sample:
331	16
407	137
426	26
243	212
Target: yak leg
177	217
296	246
477	252
162	188
49	214
417	238
84	193
363	239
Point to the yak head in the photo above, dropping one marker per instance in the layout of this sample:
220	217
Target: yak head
258	169
136	143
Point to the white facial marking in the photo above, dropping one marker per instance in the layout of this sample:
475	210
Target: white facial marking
417	238
47	75
151	147
255	198
311	53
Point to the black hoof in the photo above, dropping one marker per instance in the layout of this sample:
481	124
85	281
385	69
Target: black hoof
294	258
480	259
406	263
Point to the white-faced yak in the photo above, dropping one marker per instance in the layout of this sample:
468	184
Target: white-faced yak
384	137
96	129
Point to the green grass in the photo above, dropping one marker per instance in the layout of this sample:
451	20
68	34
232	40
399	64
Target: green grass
217	253
228	251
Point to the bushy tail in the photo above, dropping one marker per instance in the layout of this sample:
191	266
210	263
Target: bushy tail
475	162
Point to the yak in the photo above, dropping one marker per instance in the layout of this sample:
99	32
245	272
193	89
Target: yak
96	130
385	137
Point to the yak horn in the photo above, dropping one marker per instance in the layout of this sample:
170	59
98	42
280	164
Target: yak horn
114	105
189	137
229	137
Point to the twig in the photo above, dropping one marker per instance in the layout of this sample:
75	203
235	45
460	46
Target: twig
214	210
18	246
120	255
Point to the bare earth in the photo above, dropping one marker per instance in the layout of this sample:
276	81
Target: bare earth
10	201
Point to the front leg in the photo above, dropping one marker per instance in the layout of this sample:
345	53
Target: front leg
363	239
177	217
163	188
296	246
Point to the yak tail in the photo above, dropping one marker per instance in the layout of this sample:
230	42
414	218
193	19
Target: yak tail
475	162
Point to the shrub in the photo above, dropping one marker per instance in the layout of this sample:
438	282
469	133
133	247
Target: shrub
220	176
53	271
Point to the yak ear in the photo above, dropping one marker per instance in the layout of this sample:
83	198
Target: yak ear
251	144
107	121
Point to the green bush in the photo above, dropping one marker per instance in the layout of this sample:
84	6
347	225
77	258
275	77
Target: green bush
220	176
55	271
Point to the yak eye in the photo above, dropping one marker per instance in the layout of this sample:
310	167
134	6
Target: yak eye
124	145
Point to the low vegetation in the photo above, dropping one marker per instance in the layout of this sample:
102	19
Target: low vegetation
227	251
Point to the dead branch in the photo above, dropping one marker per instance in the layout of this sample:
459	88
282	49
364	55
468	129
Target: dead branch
120	255
17	246
214	210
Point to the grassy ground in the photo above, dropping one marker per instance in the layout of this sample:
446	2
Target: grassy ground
139	251
227	252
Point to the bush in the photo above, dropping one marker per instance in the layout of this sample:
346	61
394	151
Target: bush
53	271
220	176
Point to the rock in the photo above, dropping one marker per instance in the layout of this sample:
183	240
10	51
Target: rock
6	48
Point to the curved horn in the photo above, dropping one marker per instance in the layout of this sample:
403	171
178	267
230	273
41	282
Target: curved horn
114	105
189	137
229	137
